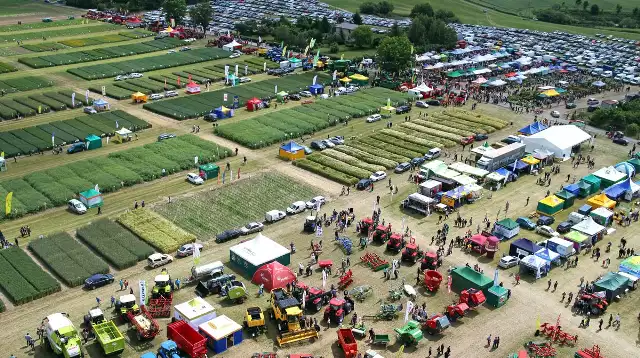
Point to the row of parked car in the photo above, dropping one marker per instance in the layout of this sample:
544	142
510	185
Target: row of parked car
271	216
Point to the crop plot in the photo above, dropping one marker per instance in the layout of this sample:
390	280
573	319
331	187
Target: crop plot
236	204
155	230
47	34
23	84
22	279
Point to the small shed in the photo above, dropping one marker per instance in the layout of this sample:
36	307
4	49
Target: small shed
195	312
464	277
613	284
221	333
602	216
523	247
567	196
93	142
316	89
139	97
430	188
122	135
593	181
291	151
601	200
497	296
209	171
192	88
550	205
571	188
252	254
254	104
91	198
101	105
609	176
506	229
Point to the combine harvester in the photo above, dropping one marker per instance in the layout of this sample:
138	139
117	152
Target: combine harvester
62	336
146	326
286	311
108	335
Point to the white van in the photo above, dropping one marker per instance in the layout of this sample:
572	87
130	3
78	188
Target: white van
297	207
274	215
633	280
575	218
433	153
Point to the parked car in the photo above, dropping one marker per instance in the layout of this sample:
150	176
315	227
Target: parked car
433	153
171	51
90	110
402	167
620	141
136	75
155	96
526	223
417	161
313	203
234	55
508	261
194	178
168	94
164	136
337	140
327	143
76	148
297	207
555	114
307	150
545	230
244	79
570	105
77	206
305	94
403	109
480	136
592	108
98	280
564	227
422	104
210	117
363	184
377	176
295	97
316	144
251	227
545	220
592	102
374	118
185	48
157	259
433	102
228	235
187	249
274	215
121	78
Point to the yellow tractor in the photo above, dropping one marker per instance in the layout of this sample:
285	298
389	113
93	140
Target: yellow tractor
254	321
286	312
162	285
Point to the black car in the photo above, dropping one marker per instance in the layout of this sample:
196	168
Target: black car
592	108
564	227
363	184
402	167
433	102
98	280
316	144
294	97
403	109
545	220
210	117
480	136
228	235
620	141
417	161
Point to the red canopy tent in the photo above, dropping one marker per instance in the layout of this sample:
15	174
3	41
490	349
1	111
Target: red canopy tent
511	74
192	88
478	243
253	104
273	275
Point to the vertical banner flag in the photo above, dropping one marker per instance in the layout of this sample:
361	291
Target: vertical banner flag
53	139
238	173
316	58
408	311
86	96
7	203
143	290
165	84
306	50
284	50
246	70
39	109
178	80
449	283
173	22
276	89
281	44
259	39
315	78
230	175
342	57
73	99
117	125
335	74
312	43
264	67
318	231
97	188
236	70
196	254
195	159
412	49
224	176
324	278
104	90
304	299
225	97
495	278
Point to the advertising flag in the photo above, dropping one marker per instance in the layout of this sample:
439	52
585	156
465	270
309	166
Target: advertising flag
73	99
53	139
86	96
324	278
236	70
178	80
408	311
315	78
284	50
97	188
306	50
449	283
7	203
276	89
143	290
196	254
259	39
312	43
495	278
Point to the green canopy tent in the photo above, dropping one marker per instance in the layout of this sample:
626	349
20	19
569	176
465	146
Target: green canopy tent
497	296
93	142
613	284
91	198
550	205
578	238
454	74
281	95
636	164
209	171
584	189
464	277
568	198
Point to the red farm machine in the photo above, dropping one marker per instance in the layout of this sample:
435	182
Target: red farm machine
146	326
412	252
396	243
187	339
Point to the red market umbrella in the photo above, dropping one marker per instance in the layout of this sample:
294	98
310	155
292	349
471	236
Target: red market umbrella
273	275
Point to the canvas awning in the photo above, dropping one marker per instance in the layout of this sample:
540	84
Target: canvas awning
548	255
588	227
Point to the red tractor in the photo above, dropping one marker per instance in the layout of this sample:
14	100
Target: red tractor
412	252
436	324
456	311
472	297
337	309
590	302
314	297
382	233
430	261
396	243
365	225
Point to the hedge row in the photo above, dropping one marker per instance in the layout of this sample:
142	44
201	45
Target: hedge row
115	243
22	279
69	259
156	230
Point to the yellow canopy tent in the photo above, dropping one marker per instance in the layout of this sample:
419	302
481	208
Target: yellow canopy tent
601	200
550	205
359	79
551	93
529	159
139	97
345	79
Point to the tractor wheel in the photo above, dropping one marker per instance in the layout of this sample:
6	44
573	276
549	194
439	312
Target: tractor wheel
139	336
595	311
318	306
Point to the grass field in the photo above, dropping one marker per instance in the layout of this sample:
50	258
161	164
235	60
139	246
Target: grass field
19	7
209	213
524	7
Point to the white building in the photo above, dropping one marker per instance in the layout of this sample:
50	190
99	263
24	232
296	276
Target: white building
558	139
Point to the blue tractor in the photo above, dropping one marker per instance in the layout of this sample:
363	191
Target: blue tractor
168	349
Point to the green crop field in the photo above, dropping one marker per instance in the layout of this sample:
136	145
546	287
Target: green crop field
156	230
19	107
524	7
22	84
20	7
59	32
69	259
22	279
234	205
115	243
49	188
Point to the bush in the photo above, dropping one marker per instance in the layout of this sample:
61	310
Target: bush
155	230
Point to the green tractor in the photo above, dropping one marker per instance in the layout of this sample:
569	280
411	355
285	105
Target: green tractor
236	291
410	334
126	304
162	285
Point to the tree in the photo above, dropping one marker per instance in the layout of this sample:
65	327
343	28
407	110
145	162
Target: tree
201	14
422	9
357	19
632	130
578	2
325	26
618	9
395	30
628	23
175	9
362	36
636	11
340	19
385	7
368	8
394	53
585	5
595	9
334	48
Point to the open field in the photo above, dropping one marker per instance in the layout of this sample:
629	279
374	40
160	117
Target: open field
45	34
209	213
524	7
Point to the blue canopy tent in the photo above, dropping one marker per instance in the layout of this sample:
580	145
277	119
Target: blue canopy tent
548	255
572	188
523	247
533	128
520	166
504	172
626	168
623	190
316	89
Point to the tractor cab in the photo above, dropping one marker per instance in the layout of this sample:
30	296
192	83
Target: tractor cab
396	242
310	224
472	297
411	252
429	261
128	303
314	297
381	233
168	349
365	225
286	310
336	310
595	303
162	285
96	316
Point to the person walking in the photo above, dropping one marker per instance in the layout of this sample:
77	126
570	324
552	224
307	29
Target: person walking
555	286
28	338
177	283
549	285
600	324
489	340
121	284
126	284
610	320
131	290
113	301
517	279
98	301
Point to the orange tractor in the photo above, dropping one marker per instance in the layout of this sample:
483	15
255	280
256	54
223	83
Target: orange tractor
412	252
396	243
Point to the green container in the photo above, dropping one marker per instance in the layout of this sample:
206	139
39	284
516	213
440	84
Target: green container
109	337
209	171
497	296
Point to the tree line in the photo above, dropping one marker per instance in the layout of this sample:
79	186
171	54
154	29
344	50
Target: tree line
585	13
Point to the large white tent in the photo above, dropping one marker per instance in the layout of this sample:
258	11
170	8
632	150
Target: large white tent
557	139
251	254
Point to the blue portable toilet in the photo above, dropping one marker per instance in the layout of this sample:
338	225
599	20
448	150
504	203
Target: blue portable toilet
221	333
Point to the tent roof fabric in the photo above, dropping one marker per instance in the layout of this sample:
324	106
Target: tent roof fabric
622	187
565	195
259	250
588	226
273	275
508	223
552	201
576	236
609	173
601	200
533	128
604	212
560	137
90	193
626	168
472	275
533	261
631	265
612	281
292	147
526	245
547	254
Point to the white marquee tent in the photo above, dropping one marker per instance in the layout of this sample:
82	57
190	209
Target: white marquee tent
557	139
